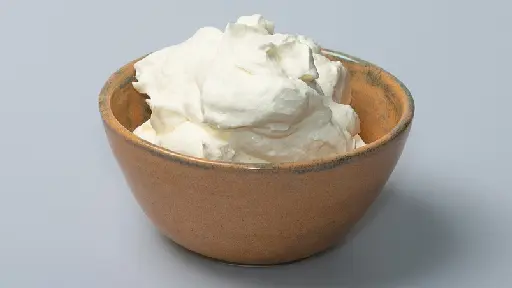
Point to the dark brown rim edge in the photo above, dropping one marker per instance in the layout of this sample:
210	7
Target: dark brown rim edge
297	167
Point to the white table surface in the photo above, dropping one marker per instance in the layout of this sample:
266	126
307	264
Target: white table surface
67	218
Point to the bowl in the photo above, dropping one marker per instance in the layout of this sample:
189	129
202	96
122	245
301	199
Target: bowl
260	214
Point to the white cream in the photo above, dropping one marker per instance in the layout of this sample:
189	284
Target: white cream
247	95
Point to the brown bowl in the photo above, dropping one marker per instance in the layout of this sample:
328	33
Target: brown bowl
260	213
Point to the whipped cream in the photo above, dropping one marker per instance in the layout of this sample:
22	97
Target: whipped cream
247	95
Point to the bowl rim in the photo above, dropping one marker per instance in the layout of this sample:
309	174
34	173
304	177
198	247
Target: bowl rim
111	123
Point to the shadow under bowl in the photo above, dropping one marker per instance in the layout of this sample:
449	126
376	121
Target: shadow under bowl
260	214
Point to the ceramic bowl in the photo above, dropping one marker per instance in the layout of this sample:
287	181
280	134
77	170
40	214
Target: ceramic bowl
260	214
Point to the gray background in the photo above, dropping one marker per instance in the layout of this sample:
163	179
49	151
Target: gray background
67	218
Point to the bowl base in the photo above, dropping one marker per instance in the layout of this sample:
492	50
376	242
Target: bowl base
249	265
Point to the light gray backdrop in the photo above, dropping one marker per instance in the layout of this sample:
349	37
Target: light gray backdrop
67	218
